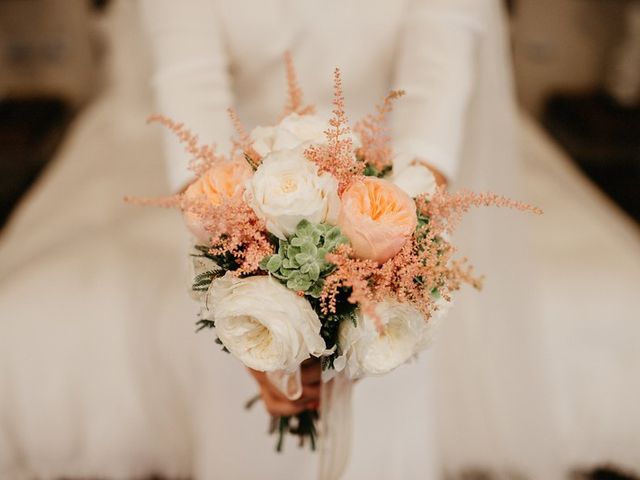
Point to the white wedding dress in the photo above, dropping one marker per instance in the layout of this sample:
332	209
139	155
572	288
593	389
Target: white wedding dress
101	374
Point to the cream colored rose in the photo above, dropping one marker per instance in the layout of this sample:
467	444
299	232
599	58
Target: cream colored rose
264	324
377	217
292	132
222	181
366	351
287	188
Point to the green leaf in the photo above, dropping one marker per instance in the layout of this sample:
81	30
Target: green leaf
297	241
371	171
274	263
288	263
309	249
287	272
316	289
314	271
303	258
204	323
283	247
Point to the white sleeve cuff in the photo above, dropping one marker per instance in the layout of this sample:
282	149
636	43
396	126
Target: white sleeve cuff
415	180
409	150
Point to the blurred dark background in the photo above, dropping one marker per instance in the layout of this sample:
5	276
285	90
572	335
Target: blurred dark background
51	54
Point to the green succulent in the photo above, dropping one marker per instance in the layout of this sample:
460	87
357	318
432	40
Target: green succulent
300	262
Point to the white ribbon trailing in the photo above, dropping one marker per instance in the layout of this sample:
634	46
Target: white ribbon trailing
335	427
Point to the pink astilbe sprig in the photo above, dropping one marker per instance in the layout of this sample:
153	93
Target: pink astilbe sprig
234	228
202	156
171	201
374	134
446	209
242	142
351	272
294	103
419	274
337	156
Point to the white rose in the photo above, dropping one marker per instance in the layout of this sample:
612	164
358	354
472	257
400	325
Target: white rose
367	351
292	132
264	324
287	188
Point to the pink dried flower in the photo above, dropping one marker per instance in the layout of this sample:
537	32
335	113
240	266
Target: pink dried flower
419	269
172	201
229	222
234	228
374	134
243	141
294	92
337	156
445	209
203	156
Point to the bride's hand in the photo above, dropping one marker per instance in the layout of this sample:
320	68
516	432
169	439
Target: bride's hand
278	405
441	180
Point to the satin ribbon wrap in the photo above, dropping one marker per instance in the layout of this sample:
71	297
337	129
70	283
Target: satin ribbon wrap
288	383
335	427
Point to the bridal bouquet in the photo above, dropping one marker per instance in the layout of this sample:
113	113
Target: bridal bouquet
310	245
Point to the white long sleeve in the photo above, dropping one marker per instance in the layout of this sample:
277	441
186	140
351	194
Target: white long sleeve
191	81
425	47
435	66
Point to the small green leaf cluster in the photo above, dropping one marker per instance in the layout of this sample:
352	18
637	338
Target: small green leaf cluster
302	425
300	262
423	220
210	267
348	312
202	281
226	261
371	171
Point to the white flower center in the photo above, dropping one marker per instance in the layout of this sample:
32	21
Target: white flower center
288	185
258	338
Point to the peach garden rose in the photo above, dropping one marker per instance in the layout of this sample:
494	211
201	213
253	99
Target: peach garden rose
378	218
222	181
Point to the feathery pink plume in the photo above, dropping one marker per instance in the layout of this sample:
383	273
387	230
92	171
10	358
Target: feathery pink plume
203	156
337	157
374	134
294	92
243	141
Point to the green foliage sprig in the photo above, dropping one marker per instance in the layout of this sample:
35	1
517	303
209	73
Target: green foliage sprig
303	425
219	265
371	171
